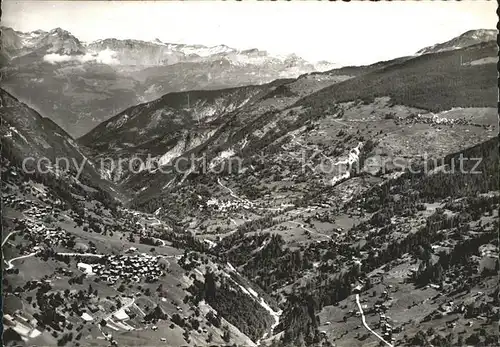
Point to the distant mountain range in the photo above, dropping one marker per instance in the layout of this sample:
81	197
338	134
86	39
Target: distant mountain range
79	84
58	46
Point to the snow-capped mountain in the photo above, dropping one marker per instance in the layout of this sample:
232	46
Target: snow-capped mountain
60	46
56	41
468	38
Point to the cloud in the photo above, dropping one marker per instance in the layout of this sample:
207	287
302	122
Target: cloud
106	56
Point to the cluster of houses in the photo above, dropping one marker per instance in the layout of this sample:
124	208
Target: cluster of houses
34	189
225	206
386	328
112	268
14	200
52	236
39	211
39	233
384	320
19	201
431	119
489	257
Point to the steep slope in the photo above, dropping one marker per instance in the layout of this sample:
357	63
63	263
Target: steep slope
158	132
171	112
469	38
75	260
161	130
355	108
435	82
38	144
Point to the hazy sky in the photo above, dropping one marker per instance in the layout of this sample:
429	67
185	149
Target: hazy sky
345	33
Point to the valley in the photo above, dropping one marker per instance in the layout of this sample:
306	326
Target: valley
351	207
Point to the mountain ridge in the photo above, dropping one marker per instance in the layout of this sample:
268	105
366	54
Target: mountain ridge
177	50
470	37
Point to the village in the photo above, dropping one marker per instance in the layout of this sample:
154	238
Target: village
112	268
435	119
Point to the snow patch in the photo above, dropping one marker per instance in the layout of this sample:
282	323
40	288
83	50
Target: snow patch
228	153
203	51
18	133
352	158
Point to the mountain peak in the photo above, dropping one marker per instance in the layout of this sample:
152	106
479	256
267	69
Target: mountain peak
466	39
59	31
489	34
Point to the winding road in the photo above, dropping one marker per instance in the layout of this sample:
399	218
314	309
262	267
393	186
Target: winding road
9	262
10	265
366	325
7	237
17	231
